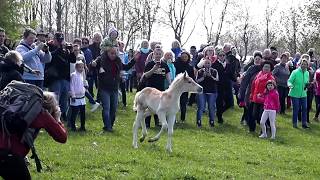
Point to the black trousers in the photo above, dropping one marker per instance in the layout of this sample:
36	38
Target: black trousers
192	99
148	121
183	105
223	102
283	93
13	167
74	112
256	111
123	92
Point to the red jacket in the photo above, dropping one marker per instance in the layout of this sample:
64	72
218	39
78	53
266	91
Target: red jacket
258	86
317	82
44	120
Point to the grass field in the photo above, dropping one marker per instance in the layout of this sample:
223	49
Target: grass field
227	151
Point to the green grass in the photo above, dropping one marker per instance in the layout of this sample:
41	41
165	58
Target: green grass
227	151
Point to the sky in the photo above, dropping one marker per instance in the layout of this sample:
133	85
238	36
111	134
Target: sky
256	11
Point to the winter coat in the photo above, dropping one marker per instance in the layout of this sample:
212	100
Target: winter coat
259	85
271	100
281	72
298	80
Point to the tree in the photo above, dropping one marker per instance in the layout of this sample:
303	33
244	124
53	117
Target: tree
221	20
176	14
270	34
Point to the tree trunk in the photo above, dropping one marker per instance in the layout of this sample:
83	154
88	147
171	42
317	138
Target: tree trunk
59	15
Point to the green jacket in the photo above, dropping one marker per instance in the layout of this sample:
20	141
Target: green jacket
298	81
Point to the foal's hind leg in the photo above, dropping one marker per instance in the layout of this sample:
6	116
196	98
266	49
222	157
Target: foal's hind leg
171	120
163	120
136	124
143	125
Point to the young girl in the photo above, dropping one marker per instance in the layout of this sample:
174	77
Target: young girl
168	58
207	77
271	107
77	103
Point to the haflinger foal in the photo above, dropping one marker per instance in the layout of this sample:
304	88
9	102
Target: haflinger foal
165	104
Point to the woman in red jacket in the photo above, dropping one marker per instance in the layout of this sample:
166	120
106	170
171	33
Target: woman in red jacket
13	151
257	89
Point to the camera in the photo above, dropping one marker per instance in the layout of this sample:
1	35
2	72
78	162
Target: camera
69	46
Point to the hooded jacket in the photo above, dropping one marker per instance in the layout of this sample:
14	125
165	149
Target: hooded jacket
259	85
8	73
298	81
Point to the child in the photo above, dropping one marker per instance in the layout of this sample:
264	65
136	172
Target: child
207	77
168	58
77	90
271	107
111	40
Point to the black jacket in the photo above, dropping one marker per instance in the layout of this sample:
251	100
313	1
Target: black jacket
60	63
106	81
181	67
245	85
8	73
234	66
3	50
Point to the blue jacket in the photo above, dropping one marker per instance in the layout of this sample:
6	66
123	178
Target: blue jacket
35	59
87	55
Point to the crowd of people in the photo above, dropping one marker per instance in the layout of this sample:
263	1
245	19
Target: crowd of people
267	85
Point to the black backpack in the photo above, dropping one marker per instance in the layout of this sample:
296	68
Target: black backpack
20	104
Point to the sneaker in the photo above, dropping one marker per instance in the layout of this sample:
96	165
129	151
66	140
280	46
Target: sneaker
295	126
107	130
263	136
220	120
95	107
305	127
199	124
211	123
82	129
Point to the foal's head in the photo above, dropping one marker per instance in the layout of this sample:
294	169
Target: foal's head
187	84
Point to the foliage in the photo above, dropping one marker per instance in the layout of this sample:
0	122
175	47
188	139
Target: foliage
10	20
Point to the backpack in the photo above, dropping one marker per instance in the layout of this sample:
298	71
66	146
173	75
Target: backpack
20	104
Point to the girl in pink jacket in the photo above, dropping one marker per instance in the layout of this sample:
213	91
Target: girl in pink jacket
271	107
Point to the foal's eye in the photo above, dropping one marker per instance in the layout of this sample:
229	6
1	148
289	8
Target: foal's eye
189	81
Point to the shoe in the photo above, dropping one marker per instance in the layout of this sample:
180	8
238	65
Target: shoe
82	129
263	136
95	107
211	123
220	120
199	124
105	129
295	126
305	127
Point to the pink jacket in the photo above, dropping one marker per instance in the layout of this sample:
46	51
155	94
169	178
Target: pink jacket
271	100
317	82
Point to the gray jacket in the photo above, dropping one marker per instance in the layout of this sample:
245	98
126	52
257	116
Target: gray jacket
281	73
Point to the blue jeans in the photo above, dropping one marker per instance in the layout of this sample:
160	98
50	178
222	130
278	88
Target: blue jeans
38	83
109	100
299	103
61	88
209	98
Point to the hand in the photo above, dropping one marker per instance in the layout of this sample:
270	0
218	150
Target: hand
94	64
40	45
36	72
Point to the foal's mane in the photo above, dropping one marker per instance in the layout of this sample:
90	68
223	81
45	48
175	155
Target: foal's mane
176	80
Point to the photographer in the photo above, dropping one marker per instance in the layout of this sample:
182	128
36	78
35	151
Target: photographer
35	55
57	72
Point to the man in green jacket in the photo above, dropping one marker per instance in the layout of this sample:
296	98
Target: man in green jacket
298	83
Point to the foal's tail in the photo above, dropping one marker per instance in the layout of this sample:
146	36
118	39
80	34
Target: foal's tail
135	101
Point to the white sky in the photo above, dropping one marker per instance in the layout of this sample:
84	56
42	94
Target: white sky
256	11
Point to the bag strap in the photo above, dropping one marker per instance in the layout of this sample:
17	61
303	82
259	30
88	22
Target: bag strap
28	139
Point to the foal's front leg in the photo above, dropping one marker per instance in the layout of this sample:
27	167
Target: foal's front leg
163	120
171	119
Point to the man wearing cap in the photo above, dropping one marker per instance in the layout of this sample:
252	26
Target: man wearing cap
57	72
35	55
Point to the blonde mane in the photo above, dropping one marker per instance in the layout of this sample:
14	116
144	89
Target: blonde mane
176	80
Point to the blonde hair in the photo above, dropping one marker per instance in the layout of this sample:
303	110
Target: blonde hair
176	44
303	58
50	103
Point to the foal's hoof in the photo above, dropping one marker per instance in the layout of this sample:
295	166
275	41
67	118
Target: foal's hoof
135	146
142	139
152	140
169	150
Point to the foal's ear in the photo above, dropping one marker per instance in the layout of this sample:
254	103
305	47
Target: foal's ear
185	75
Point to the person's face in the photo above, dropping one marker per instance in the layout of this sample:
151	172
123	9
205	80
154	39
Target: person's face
85	43
112	53
2	37
226	49
41	38
145	44
266	68
168	56
274	55
113	35
304	65
257	60
270	86
97	38
157	55
184	57
30	39
193	50
76	50
78	43
266	55
284	60
80	68
207	64
221	57
209	52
